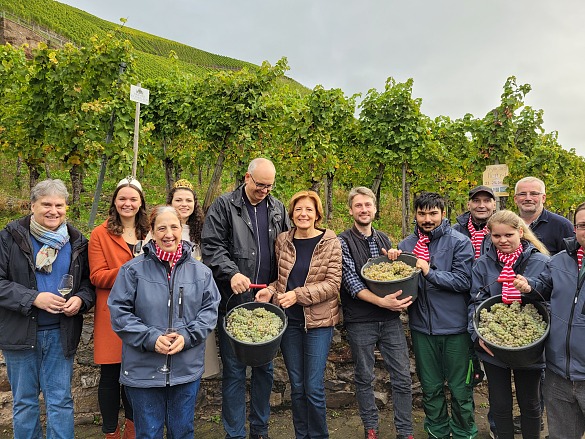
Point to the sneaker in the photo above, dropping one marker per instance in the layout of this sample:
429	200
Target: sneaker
493	434
258	436
371	433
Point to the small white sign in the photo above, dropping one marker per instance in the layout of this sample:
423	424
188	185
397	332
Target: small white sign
493	176
139	94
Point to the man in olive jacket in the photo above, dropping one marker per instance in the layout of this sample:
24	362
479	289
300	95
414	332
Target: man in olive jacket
237	239
39	328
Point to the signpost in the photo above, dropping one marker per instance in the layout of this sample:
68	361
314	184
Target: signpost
493	176
140	96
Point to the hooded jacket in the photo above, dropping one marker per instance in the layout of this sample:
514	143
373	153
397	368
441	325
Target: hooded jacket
484	284
558	282
18	289
228	244
143	303
319	297
443	294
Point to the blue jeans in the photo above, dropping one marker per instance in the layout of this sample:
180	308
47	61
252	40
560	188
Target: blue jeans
305	356
565	406
233	390
391	341
41	369
155	407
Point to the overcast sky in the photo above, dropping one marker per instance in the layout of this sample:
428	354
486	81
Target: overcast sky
459	52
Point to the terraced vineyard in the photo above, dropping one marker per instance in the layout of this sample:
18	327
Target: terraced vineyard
152	52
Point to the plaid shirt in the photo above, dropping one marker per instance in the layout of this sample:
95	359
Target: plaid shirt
350	278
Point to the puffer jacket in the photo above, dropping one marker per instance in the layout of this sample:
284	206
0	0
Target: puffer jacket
558	282
18	289
143	302
484	284
443	294
320	295
228	245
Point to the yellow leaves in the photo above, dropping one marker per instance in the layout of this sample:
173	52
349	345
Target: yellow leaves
53	58
93	106
74	160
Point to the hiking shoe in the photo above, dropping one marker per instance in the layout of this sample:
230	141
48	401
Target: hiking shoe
371	433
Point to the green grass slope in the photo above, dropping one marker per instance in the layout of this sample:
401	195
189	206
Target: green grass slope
152	51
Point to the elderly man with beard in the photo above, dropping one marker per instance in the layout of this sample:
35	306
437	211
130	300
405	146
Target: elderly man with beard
438	319
373	321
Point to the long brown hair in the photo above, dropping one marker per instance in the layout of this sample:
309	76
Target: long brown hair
195	220
115	226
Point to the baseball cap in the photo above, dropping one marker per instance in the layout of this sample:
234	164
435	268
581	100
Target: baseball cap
488	190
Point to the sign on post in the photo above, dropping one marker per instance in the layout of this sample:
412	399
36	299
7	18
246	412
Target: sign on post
140	96
493	176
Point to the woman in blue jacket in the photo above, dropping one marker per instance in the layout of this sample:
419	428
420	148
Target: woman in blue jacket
561	282
515	250
163	288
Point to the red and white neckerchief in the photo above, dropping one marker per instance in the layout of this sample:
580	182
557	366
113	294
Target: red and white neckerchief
509	292
580	257
476	236
421	249
171	258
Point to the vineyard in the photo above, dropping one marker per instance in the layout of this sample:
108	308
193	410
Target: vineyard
65	112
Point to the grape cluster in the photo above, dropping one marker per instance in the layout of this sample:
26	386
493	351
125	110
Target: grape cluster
511	325
253	326
385	271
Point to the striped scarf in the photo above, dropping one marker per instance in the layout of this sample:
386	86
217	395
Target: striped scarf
52	240
421	249
476	236
509	292
171	258
580	257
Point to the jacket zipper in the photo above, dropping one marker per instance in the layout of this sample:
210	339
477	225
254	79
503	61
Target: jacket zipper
180	302
171	283
568	340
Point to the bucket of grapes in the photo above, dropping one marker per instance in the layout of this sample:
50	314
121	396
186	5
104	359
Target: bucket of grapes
384	276
254	330
515	333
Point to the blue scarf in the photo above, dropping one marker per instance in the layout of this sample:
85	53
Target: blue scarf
52	241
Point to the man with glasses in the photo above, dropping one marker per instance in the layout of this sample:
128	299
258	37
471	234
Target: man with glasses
238	245
550	228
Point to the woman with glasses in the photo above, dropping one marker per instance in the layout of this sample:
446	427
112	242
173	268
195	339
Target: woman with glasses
514	251
111	245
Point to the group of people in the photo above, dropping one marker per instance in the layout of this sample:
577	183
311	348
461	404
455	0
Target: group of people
157	306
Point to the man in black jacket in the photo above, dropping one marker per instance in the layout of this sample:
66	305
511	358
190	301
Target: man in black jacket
237	239
373	321
40	327
481	206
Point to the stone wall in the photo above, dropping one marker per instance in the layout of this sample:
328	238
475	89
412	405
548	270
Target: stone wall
338	381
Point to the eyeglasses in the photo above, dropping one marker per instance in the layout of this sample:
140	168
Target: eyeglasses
262	186
580	226
529	194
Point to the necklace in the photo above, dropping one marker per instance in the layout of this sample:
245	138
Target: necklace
130	232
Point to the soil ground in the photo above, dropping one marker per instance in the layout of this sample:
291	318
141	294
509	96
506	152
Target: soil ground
343	423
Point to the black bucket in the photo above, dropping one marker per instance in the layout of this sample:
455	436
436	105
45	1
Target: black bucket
522	356
257	354
408	285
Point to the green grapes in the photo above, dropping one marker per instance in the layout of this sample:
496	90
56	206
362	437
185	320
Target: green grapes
511	325
253	326
385	271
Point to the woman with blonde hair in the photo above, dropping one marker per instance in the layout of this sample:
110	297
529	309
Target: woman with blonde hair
307	287
514	250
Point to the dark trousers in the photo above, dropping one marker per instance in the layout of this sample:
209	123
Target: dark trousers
527	384
109	392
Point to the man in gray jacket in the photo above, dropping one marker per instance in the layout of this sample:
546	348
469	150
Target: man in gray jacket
237	239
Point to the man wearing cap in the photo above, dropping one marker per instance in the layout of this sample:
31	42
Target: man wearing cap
481	206
551	229
237	243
